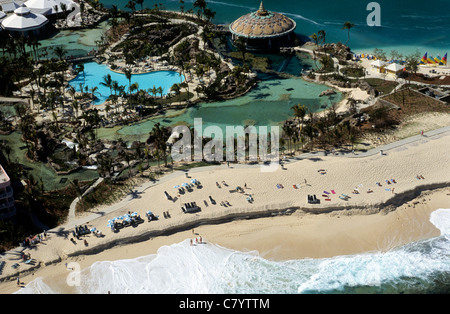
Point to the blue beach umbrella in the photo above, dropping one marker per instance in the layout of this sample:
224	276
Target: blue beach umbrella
185	184
93	229
176	186
193	180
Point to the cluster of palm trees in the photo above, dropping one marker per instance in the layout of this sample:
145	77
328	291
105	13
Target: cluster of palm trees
311	131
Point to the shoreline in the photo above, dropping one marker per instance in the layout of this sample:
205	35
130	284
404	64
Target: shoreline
278	238
343	173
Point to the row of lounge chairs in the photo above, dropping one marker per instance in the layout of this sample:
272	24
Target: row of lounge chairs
126	223
80	231
312	199
190	208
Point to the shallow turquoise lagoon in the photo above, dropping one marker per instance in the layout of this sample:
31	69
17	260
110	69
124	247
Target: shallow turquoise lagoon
269	104
94	73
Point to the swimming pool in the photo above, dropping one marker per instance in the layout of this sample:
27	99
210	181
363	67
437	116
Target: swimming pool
94	73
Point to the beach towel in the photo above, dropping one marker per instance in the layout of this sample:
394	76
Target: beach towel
387	189
332	191
326	192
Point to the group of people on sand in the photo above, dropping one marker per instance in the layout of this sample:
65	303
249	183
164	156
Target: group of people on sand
198	240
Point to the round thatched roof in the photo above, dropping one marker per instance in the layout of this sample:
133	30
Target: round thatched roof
262	24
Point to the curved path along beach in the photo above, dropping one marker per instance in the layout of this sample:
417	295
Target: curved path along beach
402	162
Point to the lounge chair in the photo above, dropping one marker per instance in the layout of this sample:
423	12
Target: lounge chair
312	199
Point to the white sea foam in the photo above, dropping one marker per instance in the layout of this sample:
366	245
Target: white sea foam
441	219
210	268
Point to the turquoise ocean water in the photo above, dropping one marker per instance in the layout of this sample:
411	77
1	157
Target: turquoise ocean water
406	26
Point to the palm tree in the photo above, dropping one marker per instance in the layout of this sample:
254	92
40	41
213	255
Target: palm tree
176	89
128	75
348	26
300	113
241	45
321	36
160	135
289	132
131	5
141	3
64	10
160	91
315	38
60	52
80	68
201	5
107	82
181	6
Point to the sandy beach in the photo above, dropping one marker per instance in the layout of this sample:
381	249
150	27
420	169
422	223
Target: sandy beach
285	225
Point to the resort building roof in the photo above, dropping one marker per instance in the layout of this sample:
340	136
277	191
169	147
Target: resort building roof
9	6
262	24
47	7
24	20
378	63
394	67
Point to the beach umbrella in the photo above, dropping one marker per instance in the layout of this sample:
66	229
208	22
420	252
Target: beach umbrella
93	229
176	186
185	184
149	213
110	225
193	180
134	214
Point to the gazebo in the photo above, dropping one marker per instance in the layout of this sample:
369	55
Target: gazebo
394	69
264	30
378	65
23	21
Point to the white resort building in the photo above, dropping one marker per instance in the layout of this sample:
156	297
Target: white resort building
31	17
25	22
7	207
